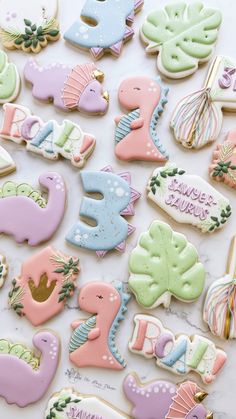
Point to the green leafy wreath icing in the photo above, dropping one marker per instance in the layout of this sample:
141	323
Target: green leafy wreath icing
60	405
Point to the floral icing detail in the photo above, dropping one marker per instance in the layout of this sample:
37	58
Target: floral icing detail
178	354
48	139
173	401
46	281
135	135
9	79
182	35
99	38
93	341
69	88
188	198
118	201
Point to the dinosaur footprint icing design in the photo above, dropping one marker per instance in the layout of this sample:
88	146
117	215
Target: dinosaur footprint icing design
25	214
93	340
28	28
161	399
135	135
9	79
92	31
69	88
163	264
182	35
48	139
24	379
47	279
118	200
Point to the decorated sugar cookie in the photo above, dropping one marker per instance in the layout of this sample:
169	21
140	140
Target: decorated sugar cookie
178	354
25	378
48	139
92	343
26	215
69	404
7	165
46	281
223	167
92	31
3	270
220	304
198	117
69	88
182	35
28	28
9	79
163	264
161	399
135	135
118	201
188	198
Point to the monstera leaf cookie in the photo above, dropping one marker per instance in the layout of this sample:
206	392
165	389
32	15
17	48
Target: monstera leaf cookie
163	264
183	35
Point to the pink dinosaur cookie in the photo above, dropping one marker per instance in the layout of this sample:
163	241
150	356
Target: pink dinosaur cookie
77	87
161	399
25	378
135	135
26	215
47	279
223	167
92	343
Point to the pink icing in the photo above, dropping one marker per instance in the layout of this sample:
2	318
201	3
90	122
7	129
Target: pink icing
225	153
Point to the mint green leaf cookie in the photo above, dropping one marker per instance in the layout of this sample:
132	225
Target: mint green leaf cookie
163	264
183	35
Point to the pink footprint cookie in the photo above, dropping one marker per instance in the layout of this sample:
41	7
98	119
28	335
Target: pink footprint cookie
24	378
135	135
47	279
161	399
92	343
223	167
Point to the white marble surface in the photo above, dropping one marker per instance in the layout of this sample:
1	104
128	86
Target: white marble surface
213	249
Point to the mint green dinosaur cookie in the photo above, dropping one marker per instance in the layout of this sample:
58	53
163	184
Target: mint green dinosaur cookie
163	264
184	35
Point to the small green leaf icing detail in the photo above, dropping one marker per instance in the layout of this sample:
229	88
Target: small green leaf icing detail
183	35
163	264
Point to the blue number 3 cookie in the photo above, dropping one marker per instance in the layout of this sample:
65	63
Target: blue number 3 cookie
103	26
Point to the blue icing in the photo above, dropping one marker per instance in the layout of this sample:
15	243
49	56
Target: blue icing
123	128
155	116
80	334
42	136
110	16
175	355
112	228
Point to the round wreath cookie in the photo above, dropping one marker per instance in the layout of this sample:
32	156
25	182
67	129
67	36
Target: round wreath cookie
25	378
161	399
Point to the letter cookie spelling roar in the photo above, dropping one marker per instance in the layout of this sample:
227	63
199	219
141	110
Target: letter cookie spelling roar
26	215
188	198
24	379
104	26
135	135
69	88
46	280
179	354
93	341
182	35
161	399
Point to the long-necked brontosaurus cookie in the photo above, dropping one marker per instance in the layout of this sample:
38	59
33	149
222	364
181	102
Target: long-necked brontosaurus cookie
26	215
161	399
69	88
48	139
182	35
93	340
135	135
28	28
104	26
46	280
178	354
163	264
25	378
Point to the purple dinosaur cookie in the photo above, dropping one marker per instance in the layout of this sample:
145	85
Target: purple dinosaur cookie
77	87
164	400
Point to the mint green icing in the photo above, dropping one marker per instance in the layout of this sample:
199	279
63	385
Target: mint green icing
182	34
8	78
164	263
